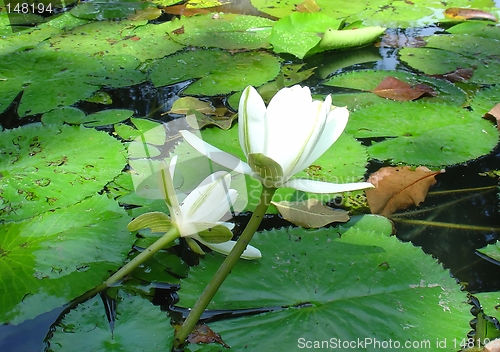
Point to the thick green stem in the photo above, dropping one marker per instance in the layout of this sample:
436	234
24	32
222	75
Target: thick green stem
225	268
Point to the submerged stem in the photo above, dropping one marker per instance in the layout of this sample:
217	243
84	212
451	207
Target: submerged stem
225	268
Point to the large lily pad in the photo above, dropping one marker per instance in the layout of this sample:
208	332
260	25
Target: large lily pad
44	168
210	68
446	53
353	282
423	133
225	31
87	328
132	38
53	258
368	80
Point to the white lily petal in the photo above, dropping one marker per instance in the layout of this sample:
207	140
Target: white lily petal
335	125
325	187
287	123
209	201
216	155
226	247
166	175
251	121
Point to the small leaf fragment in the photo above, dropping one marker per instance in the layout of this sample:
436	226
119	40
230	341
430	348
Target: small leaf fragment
398	188
310	214
183	105
463	14
308	6
459	75
203	334
395	89
494	115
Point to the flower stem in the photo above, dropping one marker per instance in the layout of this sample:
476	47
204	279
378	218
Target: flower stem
225	268
168	237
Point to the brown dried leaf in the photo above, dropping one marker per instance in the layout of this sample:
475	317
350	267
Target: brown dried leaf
310	214
395	89
459	75
203	334
463	14
494	115
398	188
198	120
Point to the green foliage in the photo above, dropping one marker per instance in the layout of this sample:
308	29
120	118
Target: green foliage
50	259
423	133
247	68
87	328
44	168
354	280
226	31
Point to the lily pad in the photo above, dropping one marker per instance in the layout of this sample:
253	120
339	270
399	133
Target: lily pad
492	251
485	99
87	328
55	257
423	133
122	38
367	81
353	283
210	69
44	168
446	53
226	31
48	79
75	116
490	302
108	9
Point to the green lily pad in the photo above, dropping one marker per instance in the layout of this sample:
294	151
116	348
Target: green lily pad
446	53
55	257
108	9
353	283
479	28
485	99
490	302
299	32
226	31
87	327
44	168
423	133
26	40
48	80
492	251
344	162
369	80
210	68
75	116
121	38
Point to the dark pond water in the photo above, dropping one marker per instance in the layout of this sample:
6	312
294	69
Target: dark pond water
455	248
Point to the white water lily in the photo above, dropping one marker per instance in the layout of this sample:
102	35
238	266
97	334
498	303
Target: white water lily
283	139
198	215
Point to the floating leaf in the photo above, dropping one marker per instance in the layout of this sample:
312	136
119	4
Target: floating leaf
247	68
183	105
458	75
226	31
87	327
308	6
367	80
348	38
463	14
299	32
398	188
55	257
492	251
44	168
203	334
425	133
494	114
198	120
355	280
310	213
393	88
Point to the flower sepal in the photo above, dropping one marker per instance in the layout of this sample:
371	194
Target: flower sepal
214	234
155	220
268	171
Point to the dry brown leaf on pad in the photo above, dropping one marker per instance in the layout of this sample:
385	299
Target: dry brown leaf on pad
494	115
203	334
395	89
398	188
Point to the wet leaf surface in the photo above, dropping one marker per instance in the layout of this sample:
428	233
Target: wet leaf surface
310	213
398	188
393	88
54	257
354	279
